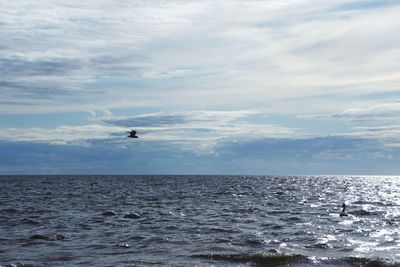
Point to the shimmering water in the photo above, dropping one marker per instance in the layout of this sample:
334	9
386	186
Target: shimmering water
199	221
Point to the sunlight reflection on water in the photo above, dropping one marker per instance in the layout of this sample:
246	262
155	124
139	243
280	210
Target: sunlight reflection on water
198	220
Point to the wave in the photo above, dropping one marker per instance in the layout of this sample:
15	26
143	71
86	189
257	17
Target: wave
17	265
280	259
365	262
363	212
275	259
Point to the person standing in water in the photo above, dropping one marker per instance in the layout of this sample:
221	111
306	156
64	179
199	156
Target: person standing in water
343	213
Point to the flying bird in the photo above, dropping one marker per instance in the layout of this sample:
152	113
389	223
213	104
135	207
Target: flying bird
132	134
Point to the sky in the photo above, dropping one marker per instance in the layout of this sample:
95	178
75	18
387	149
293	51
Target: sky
281	87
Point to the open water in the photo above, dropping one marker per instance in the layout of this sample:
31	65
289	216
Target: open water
199	221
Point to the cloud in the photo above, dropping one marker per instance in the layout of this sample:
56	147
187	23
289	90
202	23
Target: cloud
375	112
361	5
41	76
35	79
388	135
176	118
40	67
155	119
61	134
60	47
200	130
202	55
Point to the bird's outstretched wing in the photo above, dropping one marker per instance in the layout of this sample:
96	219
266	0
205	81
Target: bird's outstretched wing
132	134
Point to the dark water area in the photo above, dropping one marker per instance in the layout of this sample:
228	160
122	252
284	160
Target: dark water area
199	221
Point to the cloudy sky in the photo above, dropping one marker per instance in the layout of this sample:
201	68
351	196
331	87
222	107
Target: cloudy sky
212	87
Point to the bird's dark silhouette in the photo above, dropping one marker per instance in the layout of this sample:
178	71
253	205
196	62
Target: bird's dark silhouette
132	134
343	213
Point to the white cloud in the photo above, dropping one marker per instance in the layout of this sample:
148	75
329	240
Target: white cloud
194	130
383	111
201	130
201	54
61	134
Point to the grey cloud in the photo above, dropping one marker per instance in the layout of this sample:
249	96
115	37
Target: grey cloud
34	92
200	130
179	118
11	67
30	79
14	67
12	103
27	79
388	132
148	120
119	65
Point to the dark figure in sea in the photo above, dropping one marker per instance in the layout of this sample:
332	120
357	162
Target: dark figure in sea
343	213
132	134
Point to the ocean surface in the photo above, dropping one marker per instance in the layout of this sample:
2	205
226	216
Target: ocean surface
199	221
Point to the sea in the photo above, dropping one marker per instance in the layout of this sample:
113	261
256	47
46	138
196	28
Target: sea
199	221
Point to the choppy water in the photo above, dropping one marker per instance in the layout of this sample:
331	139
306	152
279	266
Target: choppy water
199	221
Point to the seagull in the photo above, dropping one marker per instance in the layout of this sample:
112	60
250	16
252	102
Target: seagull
132	134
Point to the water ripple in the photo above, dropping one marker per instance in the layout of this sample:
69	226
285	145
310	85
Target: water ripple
199	220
